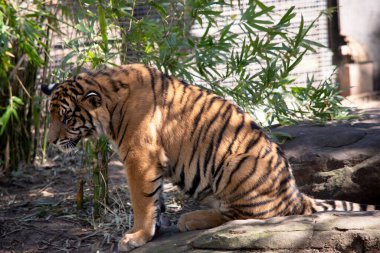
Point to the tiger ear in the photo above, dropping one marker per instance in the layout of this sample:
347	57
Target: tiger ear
48	89
93	98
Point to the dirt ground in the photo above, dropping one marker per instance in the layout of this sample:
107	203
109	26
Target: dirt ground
38	210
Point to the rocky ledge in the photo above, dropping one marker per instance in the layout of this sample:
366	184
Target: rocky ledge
323	232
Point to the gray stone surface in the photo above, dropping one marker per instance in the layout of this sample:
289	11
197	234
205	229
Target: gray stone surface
323	232
339	160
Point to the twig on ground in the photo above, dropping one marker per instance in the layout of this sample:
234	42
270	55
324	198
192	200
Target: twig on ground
89	235
11	232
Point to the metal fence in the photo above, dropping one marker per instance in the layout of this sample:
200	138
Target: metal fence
317	63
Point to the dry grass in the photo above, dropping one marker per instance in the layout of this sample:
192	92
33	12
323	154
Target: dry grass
38	209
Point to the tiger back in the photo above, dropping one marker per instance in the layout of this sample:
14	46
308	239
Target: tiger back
162	128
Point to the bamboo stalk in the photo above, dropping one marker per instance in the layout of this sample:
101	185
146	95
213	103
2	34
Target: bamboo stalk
100	176
79	196
96	198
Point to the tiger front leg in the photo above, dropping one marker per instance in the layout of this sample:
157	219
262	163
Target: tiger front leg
145	186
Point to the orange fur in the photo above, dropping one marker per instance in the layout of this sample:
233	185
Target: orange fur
162	127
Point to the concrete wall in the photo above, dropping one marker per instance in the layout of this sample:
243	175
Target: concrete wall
360	20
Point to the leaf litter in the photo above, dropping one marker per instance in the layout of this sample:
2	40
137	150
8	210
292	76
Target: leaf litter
38	210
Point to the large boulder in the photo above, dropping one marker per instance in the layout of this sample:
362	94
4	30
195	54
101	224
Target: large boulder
338	160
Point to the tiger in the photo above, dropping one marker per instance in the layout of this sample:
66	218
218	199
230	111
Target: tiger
162	127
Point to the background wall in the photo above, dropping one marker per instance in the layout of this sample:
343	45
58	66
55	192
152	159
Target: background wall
360	20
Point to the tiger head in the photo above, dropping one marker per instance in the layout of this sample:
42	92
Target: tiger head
71	108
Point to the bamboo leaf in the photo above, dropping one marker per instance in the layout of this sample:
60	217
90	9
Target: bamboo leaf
160	9
103	25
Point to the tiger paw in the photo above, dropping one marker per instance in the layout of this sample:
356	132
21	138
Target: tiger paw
189	222
132	241
184	224
201	219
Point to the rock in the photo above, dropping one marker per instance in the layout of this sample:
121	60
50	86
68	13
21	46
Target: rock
257	234
339	160
322	232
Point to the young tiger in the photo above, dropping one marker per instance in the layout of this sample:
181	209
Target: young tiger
163	127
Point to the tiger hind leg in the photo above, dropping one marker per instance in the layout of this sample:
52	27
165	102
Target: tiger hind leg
200	219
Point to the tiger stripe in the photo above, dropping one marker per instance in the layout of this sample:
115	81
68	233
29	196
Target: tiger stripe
153	82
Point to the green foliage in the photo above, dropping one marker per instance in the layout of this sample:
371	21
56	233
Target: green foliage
258	60
19	28
23	40
10	110
319	103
